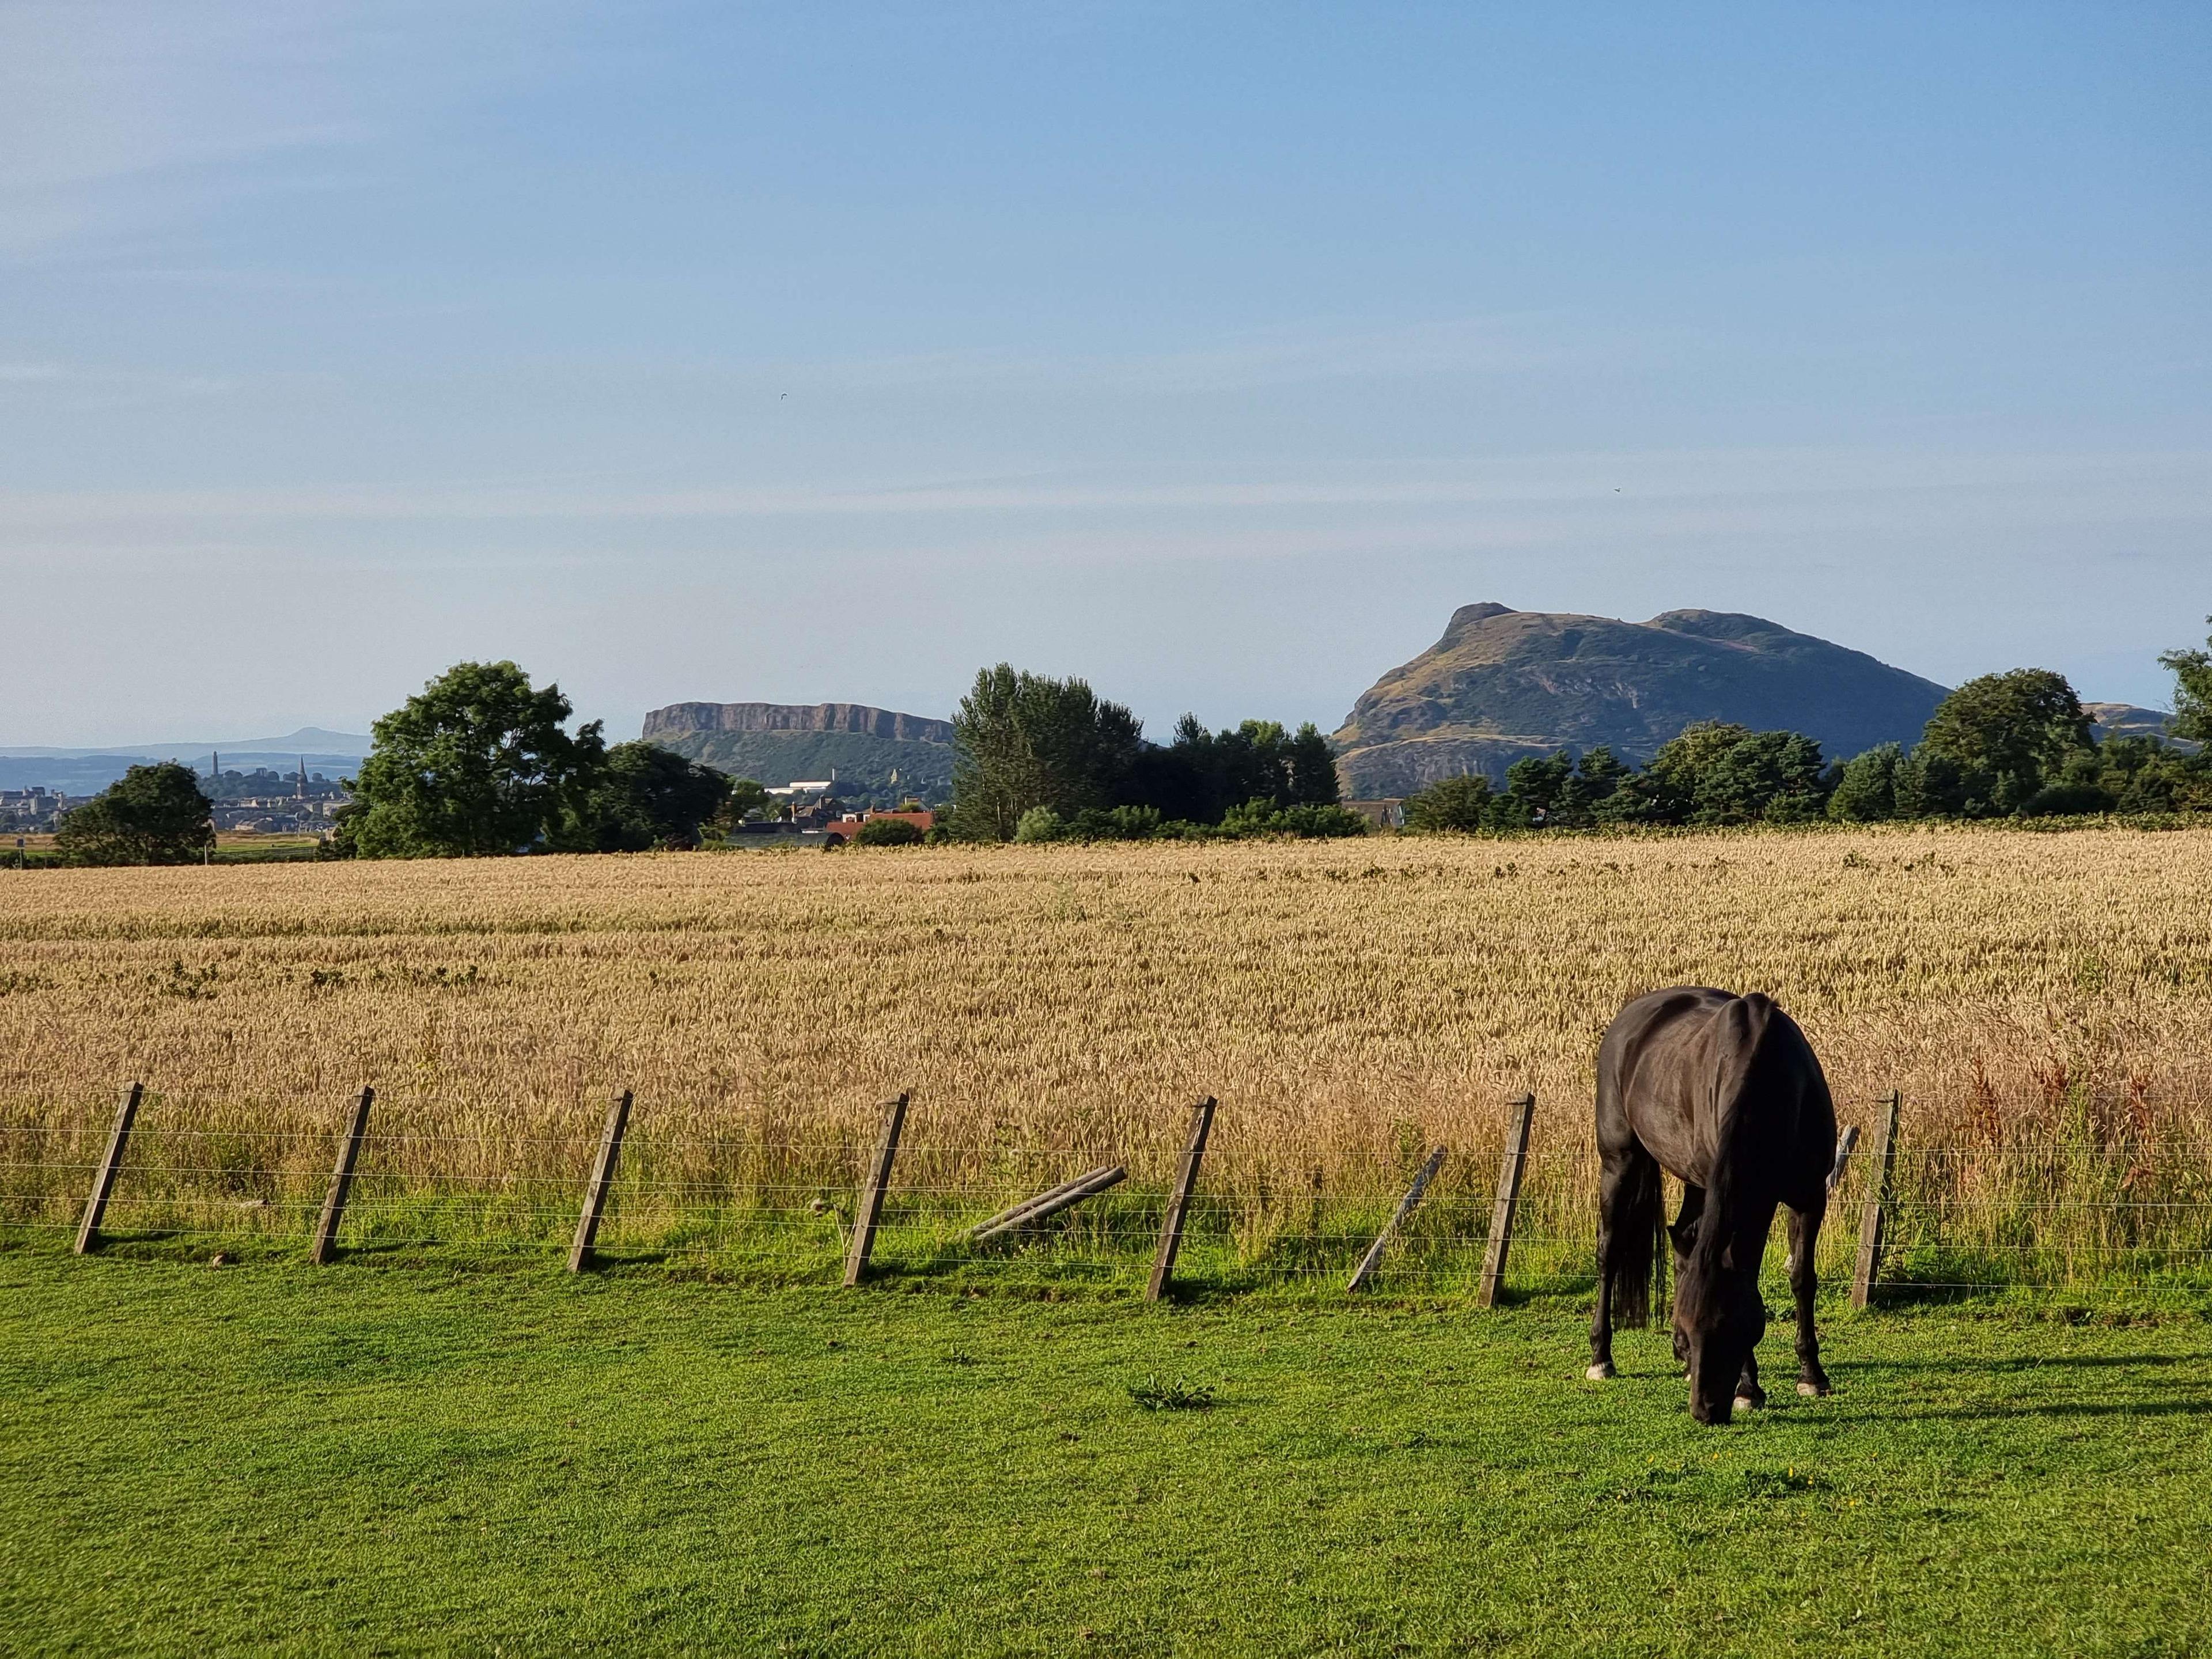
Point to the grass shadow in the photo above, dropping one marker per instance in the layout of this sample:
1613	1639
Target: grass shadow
2197	1405
2032	1362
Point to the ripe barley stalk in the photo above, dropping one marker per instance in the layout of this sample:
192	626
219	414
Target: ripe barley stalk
2044	1001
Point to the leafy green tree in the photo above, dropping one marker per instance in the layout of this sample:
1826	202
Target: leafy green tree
1310	766
1867	791
745	797
2061	799
1023	740
477	763
2132	775
646	796
2007	734
151	815
1930	785
1715	772
1773	777
1458	805
2192	692
1115	823
888	832
1533	789
1200	776
1309	821
1667	790
1599	774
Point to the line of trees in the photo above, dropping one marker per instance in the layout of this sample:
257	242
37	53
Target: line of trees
2016	744
1038	759
482	762
151	815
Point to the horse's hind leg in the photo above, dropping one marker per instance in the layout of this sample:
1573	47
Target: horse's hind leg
1683	1235
1611	1189
1627	1173
1804	1236
1610	1185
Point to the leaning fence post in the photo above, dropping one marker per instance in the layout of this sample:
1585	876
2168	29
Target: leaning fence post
1845	1142
1877	1200
1202	1124
1374	1256
334	1202
1514	1165
870	1209
103	1182
603	1176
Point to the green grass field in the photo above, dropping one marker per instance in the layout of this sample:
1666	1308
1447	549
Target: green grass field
274	1458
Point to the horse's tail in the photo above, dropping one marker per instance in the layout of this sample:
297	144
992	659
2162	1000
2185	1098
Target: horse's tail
1635	1234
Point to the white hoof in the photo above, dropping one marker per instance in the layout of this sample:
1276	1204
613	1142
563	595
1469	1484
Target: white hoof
1745	1404
1811	1390
1599	1373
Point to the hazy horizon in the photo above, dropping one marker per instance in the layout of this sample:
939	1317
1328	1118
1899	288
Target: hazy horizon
627	725
689	353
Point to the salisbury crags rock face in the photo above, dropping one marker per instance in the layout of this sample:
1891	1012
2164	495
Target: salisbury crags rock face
680	719
873	753
1504	684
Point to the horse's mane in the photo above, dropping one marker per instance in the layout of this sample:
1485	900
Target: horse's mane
1741	1040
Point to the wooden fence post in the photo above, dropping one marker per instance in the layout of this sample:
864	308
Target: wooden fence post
1202	1124
603	1176
870	1209
103	1182
334	1202
1374	1256
1514	1165
1845	1142
1877	1200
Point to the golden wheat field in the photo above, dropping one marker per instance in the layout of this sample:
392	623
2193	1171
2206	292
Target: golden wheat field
1349	1004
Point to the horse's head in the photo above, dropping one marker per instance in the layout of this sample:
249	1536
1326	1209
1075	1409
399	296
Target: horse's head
1718	1320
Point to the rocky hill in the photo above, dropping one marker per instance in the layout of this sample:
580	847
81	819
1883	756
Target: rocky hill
2127	719
874	753
1504	684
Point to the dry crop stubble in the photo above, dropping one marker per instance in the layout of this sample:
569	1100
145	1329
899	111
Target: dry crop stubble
1349	1003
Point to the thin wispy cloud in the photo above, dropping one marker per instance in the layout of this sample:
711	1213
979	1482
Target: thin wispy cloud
1215	353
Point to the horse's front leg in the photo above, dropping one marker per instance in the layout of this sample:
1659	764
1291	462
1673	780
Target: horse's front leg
1748	1395
1804	1236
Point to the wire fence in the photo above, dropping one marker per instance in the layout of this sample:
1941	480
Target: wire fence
2133	1214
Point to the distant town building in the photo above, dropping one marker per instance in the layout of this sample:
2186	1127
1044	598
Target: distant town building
844	828
1389	813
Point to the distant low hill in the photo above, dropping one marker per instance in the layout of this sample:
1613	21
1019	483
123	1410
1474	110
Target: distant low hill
874	753
1502	684
2126	719
88	771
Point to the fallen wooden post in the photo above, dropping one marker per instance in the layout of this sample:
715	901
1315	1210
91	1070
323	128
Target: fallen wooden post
1030	1211
103	1182
603	1176
1369	1262
871	1207
1201	1123
1510	1169
1877	1202
334	1202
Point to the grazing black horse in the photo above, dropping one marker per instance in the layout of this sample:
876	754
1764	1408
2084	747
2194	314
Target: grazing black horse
1723	1092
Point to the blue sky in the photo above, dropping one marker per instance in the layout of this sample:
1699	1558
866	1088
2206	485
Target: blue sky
1215	353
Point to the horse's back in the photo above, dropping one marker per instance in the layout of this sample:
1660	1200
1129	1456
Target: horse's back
1676	1062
